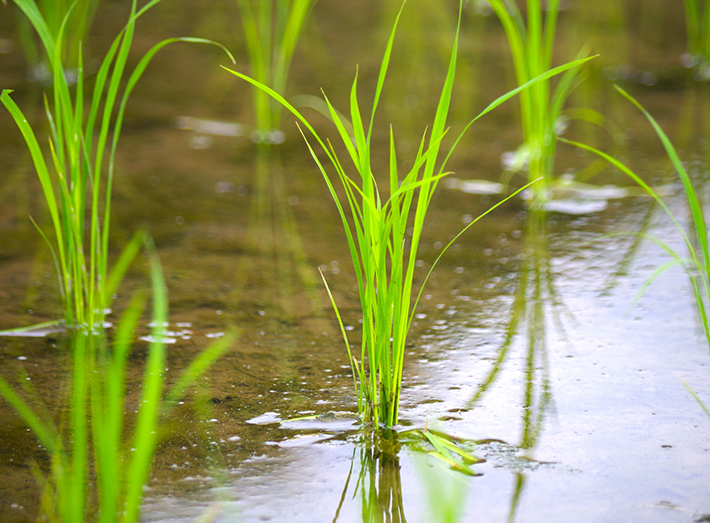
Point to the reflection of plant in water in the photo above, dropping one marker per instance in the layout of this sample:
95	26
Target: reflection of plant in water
378	482
379	485
273	235
534	304
535	293
95	436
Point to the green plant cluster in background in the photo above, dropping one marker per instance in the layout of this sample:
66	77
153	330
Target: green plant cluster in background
271	29
697	16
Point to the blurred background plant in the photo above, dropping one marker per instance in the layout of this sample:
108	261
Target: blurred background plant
272	29
532	45
697	16
80	14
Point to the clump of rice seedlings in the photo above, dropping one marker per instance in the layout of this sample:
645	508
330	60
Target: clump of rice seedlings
95	438
272	29
386	229
697	18
77	180
696	262
531	45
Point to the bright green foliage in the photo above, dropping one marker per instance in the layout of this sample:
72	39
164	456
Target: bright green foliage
94	435
532	46
80	14
697	16
697	262
77	181
272	30
385	231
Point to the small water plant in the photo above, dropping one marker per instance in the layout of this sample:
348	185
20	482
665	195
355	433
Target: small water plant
272	29
77	180
696	262
54	12
697	23
386	230
532	45
95	439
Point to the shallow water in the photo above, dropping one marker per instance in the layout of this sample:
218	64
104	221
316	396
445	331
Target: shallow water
529	344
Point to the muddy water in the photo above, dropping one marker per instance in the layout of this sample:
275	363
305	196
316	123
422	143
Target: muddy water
529	344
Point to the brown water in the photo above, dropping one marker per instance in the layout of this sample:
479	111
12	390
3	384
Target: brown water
528	344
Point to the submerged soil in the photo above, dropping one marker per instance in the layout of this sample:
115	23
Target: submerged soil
531	345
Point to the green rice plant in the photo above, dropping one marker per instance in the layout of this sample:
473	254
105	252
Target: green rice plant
54	12
697	18
94	440
385	233
696	262
532	45
77	181
272	29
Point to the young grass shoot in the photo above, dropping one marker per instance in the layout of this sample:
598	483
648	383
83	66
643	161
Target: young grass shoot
272	30
531	45
386	229
77	182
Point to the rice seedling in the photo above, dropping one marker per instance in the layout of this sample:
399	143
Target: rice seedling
94	440
696	263
531	45
272	29
697	18
77	181
81	13
386	230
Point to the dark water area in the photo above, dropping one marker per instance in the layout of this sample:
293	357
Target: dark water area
530	345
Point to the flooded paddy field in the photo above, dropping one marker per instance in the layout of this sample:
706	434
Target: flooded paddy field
537	346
